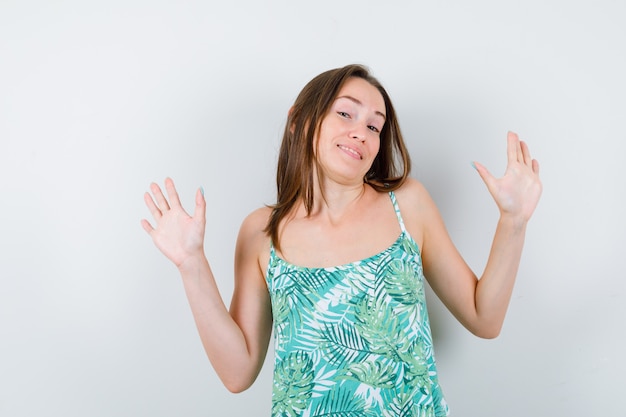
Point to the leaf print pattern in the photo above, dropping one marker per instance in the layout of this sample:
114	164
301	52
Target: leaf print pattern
342	343
379	326
293	379
403	406
372	373
401	284
349	405
354	340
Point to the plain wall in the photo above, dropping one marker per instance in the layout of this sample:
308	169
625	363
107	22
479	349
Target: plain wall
98	99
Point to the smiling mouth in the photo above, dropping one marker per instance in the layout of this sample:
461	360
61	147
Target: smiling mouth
352	151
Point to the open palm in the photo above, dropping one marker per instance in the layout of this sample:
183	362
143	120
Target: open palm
177	234
517	192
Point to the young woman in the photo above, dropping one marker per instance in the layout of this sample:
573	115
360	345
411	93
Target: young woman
336	266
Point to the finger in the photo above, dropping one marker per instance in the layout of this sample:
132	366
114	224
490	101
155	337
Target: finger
161	201
520	154
512	147
526	153
156	213
172	193
146	226
535	166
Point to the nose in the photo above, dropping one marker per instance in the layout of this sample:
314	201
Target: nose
359	133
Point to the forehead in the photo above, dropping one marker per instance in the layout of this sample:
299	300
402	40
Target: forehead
364	92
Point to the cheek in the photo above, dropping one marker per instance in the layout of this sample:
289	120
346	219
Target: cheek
375	146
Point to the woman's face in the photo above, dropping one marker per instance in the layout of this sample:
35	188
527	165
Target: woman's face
349	136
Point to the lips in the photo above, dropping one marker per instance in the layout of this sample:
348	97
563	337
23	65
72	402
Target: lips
353	152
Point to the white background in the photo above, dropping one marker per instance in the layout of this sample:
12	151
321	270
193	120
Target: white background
98	99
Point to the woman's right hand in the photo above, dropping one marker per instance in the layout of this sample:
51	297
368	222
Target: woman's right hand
176	234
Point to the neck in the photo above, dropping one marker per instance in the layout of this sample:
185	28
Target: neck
336	199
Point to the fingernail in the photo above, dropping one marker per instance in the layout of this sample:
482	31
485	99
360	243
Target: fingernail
202	191
473	165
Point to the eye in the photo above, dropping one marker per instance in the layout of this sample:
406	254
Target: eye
343	114
373	129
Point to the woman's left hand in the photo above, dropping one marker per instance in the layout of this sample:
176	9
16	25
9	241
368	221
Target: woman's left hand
517	192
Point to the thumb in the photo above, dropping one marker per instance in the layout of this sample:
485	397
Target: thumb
484	173
199	212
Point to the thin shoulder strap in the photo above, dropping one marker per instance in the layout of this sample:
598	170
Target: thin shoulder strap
396	207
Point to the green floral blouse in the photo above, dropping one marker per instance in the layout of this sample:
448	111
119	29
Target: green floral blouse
354	340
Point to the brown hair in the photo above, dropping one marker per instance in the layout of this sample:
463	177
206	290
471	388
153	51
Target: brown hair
297	161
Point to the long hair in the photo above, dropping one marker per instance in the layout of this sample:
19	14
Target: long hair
297	162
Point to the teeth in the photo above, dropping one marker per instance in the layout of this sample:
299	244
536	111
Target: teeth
351	151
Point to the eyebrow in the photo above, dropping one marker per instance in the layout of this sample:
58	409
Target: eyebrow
359	103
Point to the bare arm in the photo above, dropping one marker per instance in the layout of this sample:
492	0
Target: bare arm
235	343
481	304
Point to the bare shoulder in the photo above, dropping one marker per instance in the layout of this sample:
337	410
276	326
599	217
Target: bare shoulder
253	241
257	220
413	196
253	226
418	209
